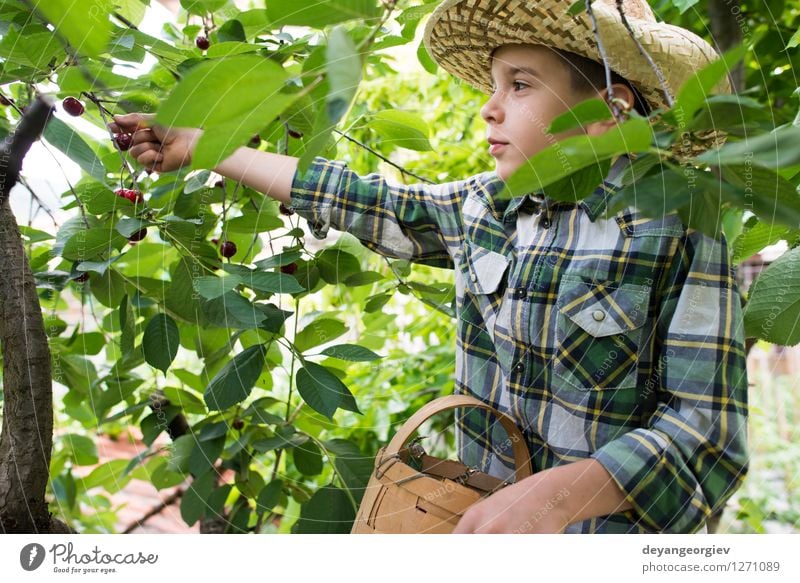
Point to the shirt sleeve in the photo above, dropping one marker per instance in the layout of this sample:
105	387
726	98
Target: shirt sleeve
418	222
691	453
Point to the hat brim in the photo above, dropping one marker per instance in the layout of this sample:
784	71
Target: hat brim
460	36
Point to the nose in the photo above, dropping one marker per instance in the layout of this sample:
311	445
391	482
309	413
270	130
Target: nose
492	110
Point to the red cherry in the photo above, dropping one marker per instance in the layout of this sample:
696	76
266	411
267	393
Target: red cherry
238	424
132	195
285	210
294	134
289	269
82	277
227	249
202	43
255	140
219	184
5	100
138	236
72	106
123	141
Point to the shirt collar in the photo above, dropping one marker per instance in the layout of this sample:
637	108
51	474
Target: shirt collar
594	204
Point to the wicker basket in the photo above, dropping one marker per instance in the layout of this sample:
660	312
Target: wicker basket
415	493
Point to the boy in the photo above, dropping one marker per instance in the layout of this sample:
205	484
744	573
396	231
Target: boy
616	344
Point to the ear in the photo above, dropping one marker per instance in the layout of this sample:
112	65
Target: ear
624	100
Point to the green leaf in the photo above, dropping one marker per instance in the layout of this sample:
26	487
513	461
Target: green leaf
278	260
108	288
202	7
211	286
425	59
323	391
320	13
233	311
207	450
127	324
32	46
577	7
318	332
363	278
81	449
308	459
63	137
684	5
344	73
193	501
233	383
254	222
90	243
351	352
110	476
85	25
251	96
376	302
160	342
335	265
772	198
354	468
582	114
401	129
697	87
772	312
755	239
574	153
271	282
778	149
329	511
270	496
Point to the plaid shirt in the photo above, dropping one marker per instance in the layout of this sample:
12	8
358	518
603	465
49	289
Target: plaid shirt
619	339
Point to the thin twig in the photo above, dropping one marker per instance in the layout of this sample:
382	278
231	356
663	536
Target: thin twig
384	158
35	197
601	49
656	69
124	20
168	501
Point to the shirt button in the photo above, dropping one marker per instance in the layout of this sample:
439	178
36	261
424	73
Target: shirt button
519	368
473	277
545	223
599	315
519	293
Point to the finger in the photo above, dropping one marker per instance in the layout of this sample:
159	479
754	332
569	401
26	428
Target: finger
150	159
139	149
143	136
131	122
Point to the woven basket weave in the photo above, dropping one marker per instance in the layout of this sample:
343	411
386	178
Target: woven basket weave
432	497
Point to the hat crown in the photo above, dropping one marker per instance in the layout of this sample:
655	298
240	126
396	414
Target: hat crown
638	9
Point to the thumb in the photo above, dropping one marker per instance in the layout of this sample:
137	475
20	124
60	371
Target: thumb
130	122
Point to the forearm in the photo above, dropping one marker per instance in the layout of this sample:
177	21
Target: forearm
265	172
587	490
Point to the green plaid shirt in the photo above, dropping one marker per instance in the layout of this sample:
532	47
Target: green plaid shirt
619	339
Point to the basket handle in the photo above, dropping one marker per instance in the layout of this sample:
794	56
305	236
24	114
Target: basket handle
522	458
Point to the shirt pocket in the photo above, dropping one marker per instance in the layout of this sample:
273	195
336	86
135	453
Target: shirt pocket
485	270
599	328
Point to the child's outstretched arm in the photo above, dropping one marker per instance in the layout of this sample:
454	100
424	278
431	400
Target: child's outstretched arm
418	222
165	149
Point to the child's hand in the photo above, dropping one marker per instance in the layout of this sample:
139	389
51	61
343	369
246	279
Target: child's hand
154	146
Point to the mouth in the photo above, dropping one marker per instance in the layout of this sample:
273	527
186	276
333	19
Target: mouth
496	146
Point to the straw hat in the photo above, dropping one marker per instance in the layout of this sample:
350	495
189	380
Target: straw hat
461	35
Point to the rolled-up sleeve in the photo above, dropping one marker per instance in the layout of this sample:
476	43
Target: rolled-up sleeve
418	222
691	454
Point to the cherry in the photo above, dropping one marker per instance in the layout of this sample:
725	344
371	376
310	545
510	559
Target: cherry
5	100
123	141
132	195
238	424
255	140
285	210
202	43
219	184
289	269
138	236
72	106
82	277
215	241
294	134
227	249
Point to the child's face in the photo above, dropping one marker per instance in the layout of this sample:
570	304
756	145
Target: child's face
532	86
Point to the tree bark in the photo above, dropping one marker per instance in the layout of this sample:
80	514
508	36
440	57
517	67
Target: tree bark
725	17
27	431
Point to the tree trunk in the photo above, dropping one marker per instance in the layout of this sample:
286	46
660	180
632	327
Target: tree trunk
27	431
725	17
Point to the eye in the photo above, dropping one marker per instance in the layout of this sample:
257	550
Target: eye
519	85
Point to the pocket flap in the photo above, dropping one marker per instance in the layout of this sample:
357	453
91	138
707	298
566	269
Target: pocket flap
603	308
486	269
